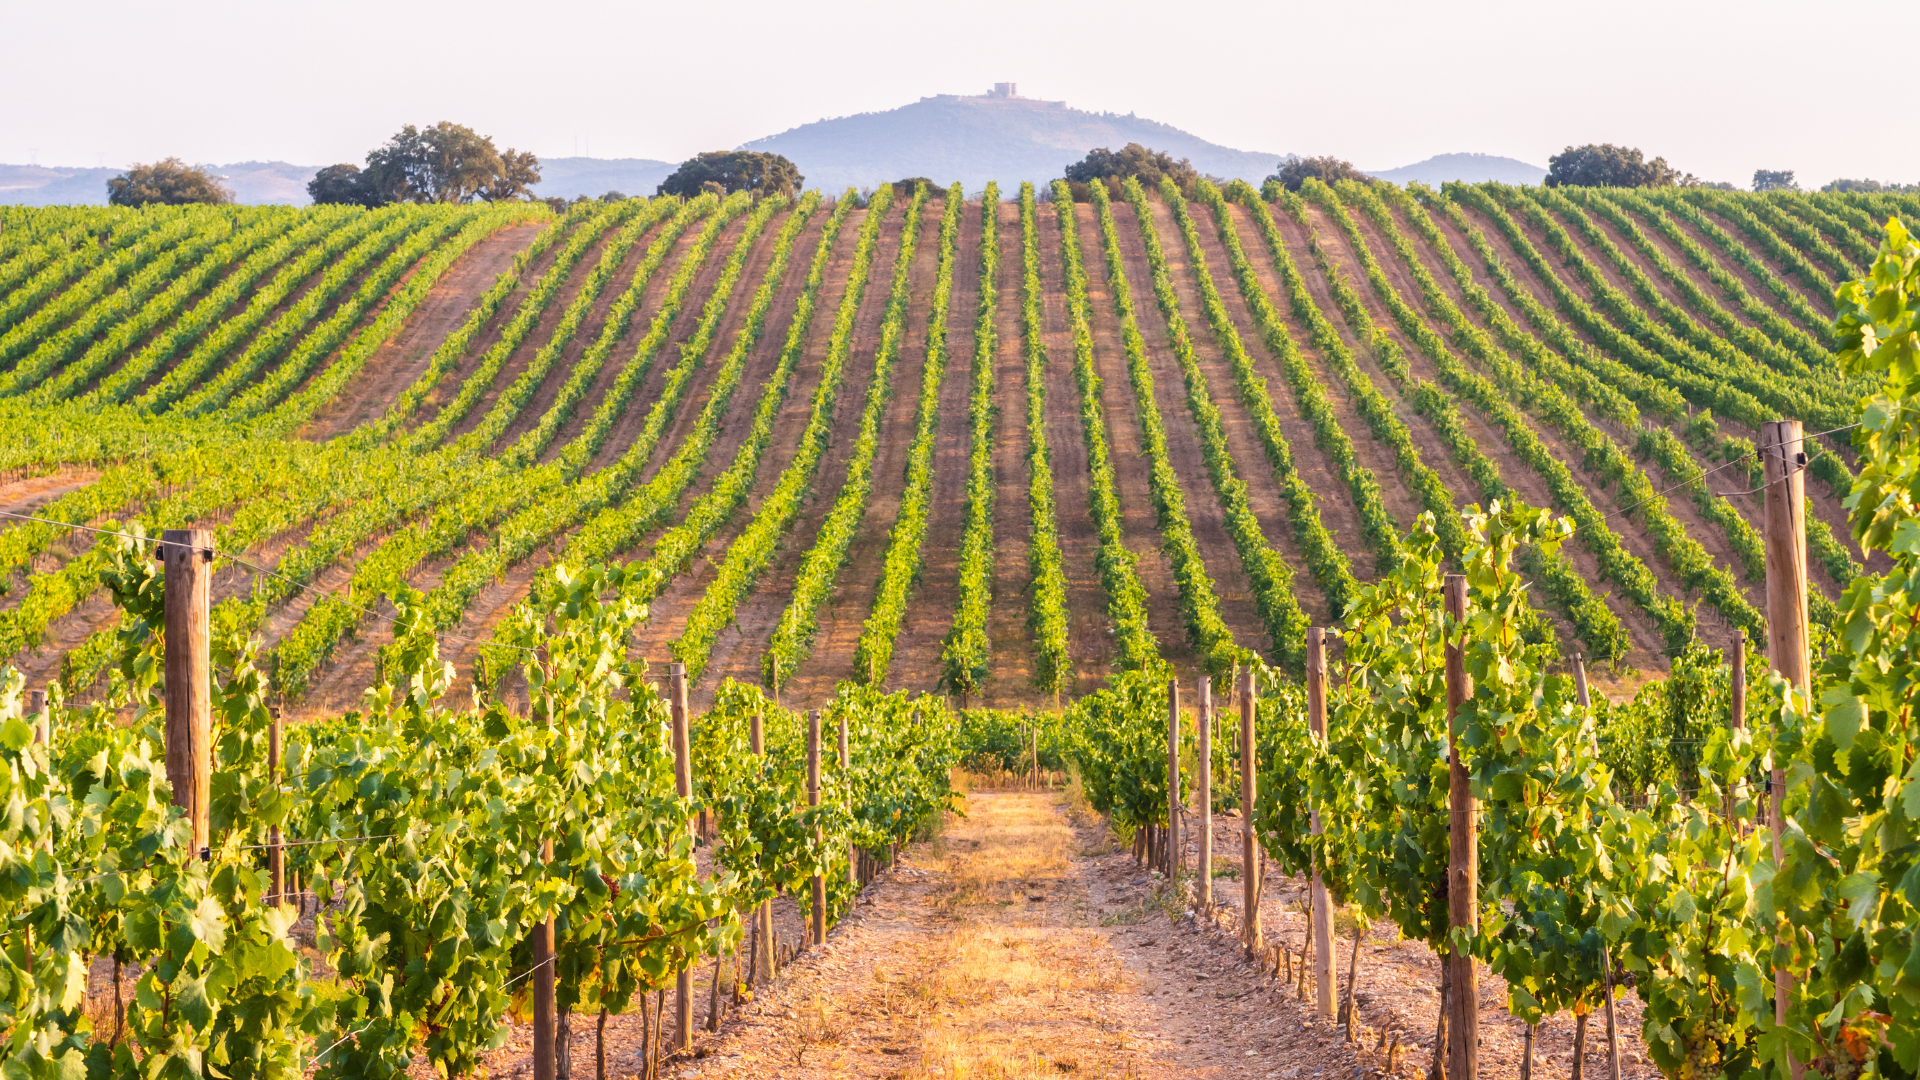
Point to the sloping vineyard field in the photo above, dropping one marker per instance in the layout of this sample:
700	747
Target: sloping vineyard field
939	465
795	421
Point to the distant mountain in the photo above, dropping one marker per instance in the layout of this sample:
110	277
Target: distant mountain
571	176
41	185
997	136
1470	167
251	181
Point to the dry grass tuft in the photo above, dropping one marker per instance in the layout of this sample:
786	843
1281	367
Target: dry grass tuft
980	998
1004	850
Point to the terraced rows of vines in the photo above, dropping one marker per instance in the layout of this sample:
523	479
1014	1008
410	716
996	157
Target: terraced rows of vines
999	446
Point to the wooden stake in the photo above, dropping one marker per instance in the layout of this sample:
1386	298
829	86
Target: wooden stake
42	725
763	941
853	853
683	781
1581	694
813	799
1323	983
276	854
1738	676
1249	866
187	555
1203	766
1173	860
42	734
600	1047
1606	999
1353	976
544	1061
1526	1054
1783	462
1463	861
1579	1046
1737	713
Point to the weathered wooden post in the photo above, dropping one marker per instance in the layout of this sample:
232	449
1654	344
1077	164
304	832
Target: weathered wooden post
1463	861
813	799
763	953
276	853
187	557
43	734
1249	845
1323	978
1736	717
43	725
1203	767
853	853
1783	463
683	782
1173	854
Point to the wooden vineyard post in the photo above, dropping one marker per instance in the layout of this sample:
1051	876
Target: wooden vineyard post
187	555
853	853
1033	747
42	734
1323	979
1249	862
763	962
276	854
1174	858
1737	711
813	799
1783	462
1203	781
683	782
1463	869
1585	697
544	1061
1738	677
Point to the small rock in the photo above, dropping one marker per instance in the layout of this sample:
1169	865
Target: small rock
1630	1059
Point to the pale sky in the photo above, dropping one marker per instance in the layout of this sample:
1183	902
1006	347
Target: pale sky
1718	88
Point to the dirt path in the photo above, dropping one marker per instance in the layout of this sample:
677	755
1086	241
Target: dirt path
1022	942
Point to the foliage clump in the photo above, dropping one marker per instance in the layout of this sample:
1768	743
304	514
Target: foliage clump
170	182
1112	168
445	163
1295	170
724	172
1607	165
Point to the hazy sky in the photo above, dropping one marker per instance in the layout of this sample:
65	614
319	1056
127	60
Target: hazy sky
1719	89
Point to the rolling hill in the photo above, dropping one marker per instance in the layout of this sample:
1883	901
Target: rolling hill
1472	168
991	137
